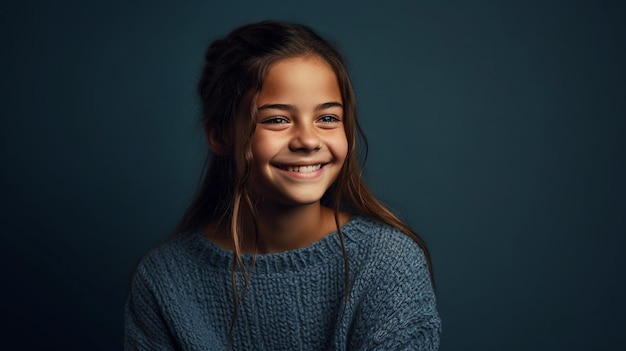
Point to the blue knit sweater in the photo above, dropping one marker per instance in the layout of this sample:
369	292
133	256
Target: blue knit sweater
181	296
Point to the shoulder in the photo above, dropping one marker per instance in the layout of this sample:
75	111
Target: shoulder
383	241
387	258
161	290
169	261
168	252
392	298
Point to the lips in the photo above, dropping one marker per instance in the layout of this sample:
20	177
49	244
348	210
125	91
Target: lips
302	169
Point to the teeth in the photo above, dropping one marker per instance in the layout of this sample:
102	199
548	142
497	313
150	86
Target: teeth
303	169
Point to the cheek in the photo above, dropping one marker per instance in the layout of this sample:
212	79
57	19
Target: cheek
263	147
340	146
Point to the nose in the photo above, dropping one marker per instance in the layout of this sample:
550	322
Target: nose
305	138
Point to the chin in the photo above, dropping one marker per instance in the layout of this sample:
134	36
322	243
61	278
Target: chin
295	200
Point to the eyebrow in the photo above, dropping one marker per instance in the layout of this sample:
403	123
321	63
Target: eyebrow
287	107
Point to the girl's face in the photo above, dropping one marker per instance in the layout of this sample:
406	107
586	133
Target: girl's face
299	144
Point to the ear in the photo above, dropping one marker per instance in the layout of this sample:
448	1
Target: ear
217	145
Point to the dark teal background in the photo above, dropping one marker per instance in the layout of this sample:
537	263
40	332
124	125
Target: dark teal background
496	131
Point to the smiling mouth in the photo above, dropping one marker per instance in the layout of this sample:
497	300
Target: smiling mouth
302	169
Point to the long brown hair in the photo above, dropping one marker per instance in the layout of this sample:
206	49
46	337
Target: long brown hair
235	67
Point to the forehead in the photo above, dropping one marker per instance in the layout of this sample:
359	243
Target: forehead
300	79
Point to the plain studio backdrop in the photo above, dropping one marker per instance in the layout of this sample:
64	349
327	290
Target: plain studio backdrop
496	130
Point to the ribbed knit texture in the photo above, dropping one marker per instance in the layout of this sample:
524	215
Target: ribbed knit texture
181	296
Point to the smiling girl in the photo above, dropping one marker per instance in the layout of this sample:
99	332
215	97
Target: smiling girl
283	247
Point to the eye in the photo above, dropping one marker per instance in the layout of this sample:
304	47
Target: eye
275	120
328	119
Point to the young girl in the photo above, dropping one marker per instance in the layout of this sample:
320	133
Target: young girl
283	247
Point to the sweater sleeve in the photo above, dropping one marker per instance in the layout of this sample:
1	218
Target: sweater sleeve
145	327
397	310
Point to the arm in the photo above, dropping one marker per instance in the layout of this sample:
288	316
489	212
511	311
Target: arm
145	327
398	310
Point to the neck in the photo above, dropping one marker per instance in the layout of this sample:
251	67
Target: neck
278	228
283	228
